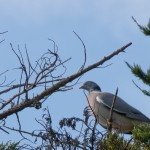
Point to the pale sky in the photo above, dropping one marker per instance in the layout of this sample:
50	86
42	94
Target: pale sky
103	25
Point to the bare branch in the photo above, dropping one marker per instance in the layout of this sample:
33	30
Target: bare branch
3	32
84	50
110	120
56	86
3	39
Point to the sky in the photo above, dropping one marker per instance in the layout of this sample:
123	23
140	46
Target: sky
103	25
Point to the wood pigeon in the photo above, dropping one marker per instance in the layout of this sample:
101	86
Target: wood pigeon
124	115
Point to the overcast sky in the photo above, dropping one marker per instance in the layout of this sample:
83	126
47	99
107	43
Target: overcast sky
103	25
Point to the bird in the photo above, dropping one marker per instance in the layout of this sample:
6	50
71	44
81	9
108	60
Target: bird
124	116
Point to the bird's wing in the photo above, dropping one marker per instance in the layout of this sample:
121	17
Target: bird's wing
107	104
121	106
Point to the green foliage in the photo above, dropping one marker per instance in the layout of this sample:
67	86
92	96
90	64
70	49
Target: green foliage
144	29
9	146
112	142
144	76
138	72
139	141
141	135
136	69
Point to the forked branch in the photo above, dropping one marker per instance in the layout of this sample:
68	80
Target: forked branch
55	87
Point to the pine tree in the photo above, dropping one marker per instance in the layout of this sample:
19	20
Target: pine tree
136	69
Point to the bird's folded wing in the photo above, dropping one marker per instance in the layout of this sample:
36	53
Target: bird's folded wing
121	107
98	99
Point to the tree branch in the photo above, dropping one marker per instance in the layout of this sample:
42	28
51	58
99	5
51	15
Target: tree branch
55	87
110	120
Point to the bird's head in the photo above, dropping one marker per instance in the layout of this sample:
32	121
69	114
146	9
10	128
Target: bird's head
90	86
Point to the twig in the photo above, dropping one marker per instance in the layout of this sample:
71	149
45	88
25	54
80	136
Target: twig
137	23
2	41
93	135
3	32
90	106
110	120
126	147
84	50
4	130
93	129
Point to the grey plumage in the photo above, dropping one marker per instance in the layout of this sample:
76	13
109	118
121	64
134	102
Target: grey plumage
124	115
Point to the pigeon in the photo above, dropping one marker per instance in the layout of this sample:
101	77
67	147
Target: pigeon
124	116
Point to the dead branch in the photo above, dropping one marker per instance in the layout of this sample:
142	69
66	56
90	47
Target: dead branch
3	33
56	86
110	120
84	51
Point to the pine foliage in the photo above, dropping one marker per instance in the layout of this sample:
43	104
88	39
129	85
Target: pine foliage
136	69
144	29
